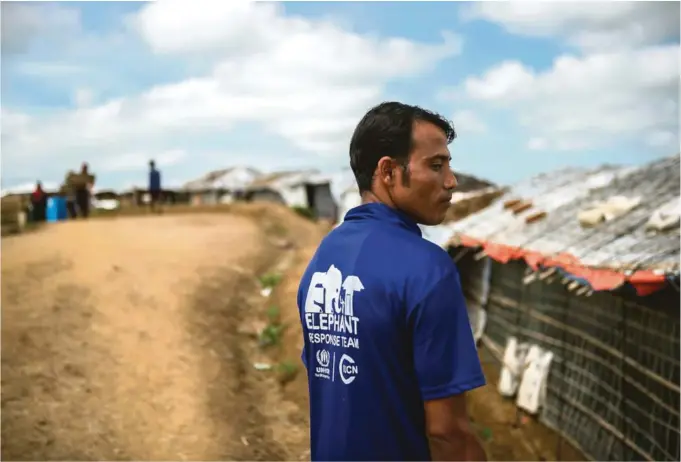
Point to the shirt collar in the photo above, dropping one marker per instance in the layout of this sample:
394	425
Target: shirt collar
376	211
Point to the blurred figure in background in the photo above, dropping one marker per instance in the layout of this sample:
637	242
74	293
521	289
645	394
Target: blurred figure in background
67	190
38	202
154	186
83	183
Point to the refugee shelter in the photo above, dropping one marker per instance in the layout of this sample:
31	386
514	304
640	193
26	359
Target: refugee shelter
221	186
305	188
138	197
105	199
575	275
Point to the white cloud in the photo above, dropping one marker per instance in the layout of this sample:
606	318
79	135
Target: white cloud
228	28
620	84
83	97
589	101
467	122
588	25
140	160
22	23
537	144
663	138
47	69
306	81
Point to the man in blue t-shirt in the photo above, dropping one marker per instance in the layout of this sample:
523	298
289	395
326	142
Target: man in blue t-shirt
154	185
388	346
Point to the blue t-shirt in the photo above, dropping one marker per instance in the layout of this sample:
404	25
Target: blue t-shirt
385	327
154	180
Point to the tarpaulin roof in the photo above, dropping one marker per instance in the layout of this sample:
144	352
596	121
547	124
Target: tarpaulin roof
232	178
286	179
606	255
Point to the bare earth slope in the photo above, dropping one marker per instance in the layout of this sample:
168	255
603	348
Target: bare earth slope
120	338
136	339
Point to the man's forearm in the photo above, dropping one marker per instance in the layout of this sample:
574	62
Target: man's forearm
465	447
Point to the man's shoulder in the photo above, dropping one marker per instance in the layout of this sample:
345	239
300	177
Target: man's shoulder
427	256
402	252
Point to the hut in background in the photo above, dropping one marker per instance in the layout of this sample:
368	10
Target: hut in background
221	186
306	189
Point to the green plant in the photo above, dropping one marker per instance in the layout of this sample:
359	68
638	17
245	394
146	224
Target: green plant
271	335
273	314
287	371
485	434
270	280
305	212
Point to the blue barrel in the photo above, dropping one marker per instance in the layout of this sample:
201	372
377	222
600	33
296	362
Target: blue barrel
52	212
62	211
56	209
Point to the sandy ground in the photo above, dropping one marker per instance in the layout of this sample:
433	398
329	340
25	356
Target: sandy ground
136	339
508	434
121	339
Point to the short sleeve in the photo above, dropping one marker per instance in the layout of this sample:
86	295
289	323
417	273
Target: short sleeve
303	356
303	353
445	355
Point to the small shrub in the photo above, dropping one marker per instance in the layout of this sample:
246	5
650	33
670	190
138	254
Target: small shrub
305	212
270	280
273	314
287	371
271	335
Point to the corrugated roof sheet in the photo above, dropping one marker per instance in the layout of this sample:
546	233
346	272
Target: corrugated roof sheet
229	178
621	244
289	178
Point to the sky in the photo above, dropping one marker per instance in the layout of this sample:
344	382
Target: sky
199	85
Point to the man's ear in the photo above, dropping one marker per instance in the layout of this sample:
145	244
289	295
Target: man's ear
386	167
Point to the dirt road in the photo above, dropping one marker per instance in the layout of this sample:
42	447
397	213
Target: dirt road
136	339
129	339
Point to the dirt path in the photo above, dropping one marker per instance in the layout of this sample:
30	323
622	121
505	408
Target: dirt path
122	339
137	339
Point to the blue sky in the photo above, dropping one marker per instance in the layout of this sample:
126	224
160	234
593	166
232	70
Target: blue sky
200	86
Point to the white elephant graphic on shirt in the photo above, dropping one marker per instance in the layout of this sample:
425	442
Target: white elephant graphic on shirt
351	285
325	290
332	288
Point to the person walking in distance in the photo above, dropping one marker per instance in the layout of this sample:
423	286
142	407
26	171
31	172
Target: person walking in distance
388	346
39	202
154	186
83	184
68	191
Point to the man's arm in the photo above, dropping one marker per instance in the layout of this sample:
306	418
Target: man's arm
449	432
447	366
300	301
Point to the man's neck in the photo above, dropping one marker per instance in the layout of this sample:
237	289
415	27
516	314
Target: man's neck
369	197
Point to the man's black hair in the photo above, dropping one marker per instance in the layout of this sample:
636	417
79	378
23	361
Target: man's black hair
386	130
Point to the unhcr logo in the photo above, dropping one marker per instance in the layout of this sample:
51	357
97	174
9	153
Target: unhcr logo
323	371
323	358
